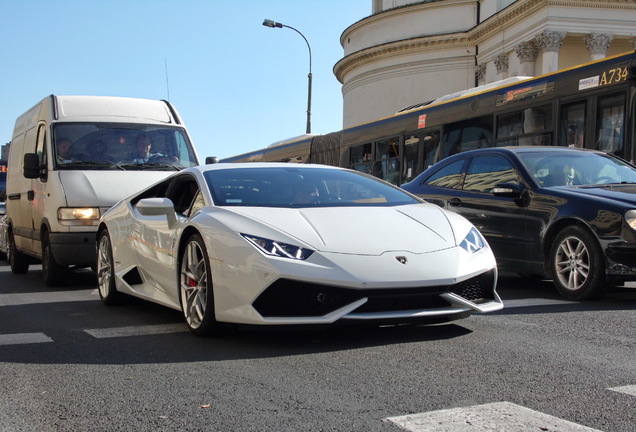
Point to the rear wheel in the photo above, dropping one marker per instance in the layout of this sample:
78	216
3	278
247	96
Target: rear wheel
195	288
106	271
577	265
18	261
53	273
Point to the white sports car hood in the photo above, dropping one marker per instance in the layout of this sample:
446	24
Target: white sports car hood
416	228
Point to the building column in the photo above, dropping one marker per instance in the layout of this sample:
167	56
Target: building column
597	44
549	43
480	74
501	63
527	53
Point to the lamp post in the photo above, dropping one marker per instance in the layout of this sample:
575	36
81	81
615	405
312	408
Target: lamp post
274	24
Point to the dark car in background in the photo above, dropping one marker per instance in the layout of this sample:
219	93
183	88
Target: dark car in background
564	213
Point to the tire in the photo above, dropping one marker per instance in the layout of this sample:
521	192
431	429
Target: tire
577	265
52	273
195	288
18	261
105	270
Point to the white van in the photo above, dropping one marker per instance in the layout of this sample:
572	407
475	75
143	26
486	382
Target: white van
73	157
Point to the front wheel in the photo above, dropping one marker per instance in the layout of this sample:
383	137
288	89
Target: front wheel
195	288
577	265
105	270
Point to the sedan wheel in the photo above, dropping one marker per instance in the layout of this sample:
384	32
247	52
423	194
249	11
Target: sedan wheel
577	265
106	271
195	280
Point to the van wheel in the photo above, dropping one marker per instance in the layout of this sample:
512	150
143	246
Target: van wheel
52	272
18	261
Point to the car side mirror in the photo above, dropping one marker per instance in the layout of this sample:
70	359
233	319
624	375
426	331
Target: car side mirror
158	207
211	160
507	190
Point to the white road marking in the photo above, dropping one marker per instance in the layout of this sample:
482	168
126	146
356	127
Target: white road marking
48	297
104	333
500	416
24	338
630	389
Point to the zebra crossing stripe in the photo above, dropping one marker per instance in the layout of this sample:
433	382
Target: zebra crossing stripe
105	333
630	389
24	338
499	416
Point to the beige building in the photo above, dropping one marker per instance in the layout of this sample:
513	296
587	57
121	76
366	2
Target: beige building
408	52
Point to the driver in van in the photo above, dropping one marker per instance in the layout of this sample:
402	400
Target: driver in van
143	155
64	150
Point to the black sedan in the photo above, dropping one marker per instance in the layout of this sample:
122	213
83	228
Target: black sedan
565	213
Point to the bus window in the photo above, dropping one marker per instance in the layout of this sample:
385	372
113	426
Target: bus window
387	163
468	135
610	124
525	127
360	158
573	124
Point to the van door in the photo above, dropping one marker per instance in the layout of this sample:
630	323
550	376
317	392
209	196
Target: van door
38	192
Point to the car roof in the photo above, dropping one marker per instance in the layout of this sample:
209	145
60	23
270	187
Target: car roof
252	165
529	149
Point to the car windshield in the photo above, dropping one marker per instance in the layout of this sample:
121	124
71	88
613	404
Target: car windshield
116	146
577	168
300	187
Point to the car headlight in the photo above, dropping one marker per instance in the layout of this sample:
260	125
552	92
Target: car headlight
473	241
78	215
630	217
278	249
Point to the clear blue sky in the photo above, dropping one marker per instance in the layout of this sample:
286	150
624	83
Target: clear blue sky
238	85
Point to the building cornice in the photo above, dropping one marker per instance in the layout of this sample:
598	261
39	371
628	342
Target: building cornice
509	16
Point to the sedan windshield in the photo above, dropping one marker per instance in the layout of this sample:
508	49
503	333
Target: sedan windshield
577	168
300	187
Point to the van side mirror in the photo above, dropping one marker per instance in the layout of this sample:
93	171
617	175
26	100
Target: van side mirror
211	160
31	166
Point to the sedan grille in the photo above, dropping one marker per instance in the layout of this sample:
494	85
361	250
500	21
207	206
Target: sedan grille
290	298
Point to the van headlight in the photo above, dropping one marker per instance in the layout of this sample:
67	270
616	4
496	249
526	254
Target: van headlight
630	217
78	215
473	241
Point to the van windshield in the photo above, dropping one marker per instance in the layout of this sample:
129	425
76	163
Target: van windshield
116	146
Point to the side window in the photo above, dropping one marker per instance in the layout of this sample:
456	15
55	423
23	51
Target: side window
449	176
197	204
360	158
40	148
485	172
531	126
572	128
468	135
610	124
387	162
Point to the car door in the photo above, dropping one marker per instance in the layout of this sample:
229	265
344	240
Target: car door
156	249
503	221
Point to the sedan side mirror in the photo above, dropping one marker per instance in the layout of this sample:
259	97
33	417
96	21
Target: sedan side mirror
512	190
158	207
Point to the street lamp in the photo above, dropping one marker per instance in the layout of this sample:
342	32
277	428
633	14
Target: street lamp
274	24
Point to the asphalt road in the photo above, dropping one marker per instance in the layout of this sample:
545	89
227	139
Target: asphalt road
70	363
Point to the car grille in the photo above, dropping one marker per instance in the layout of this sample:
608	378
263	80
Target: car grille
290	298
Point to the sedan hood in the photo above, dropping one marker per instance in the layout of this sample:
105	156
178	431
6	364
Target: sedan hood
416	228
619	192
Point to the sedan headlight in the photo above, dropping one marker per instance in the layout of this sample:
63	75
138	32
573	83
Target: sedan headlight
278	249
78	215
630	217
473	241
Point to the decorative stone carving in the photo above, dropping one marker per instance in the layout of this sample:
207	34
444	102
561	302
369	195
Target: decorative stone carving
598	43
527	51
501	63
480	72
550	41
